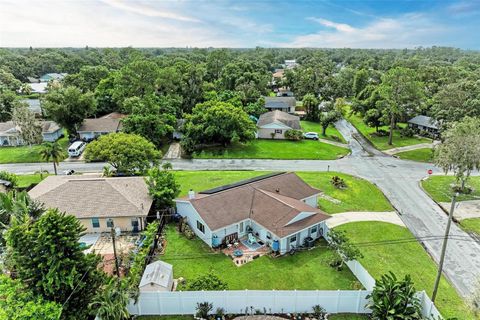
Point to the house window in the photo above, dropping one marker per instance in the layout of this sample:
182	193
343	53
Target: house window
135	223
241	227
200	227
293	239
95	223
278	131
269	235
109	223
313	230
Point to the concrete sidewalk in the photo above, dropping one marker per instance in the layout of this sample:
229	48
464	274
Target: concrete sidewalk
410	148
346	217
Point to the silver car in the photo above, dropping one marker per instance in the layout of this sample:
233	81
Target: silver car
311	135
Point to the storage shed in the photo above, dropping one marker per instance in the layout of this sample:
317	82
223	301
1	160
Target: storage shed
158	276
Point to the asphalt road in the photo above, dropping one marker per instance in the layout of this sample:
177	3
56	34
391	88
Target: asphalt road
398	179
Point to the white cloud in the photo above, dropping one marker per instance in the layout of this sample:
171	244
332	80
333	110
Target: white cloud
57	23
406	31
342	27
143	9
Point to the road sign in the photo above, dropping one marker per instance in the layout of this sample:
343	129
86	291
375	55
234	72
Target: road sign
430	171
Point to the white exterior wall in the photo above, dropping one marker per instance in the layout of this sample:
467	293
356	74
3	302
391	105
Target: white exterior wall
53	136
312	201
264	132
185	209
86	135
285	244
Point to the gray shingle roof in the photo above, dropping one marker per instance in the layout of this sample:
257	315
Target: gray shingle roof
424	121
100	125
279	116
88	197
279	102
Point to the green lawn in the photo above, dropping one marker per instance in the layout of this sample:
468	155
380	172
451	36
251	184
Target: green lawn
381	143
275	149
403	258
26	154
421	155
439	188
471	225
360	195
331	133
26	180
305	270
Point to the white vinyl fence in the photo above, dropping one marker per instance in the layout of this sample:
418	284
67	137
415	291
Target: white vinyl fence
247	301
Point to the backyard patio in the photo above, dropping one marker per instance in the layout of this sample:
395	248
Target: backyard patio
245	250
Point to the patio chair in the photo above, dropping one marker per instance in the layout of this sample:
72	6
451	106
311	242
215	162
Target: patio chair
251	239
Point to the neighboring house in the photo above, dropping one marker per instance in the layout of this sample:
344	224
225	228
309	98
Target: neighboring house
52	76
424	123
51	131
94	128
178	132
40	87
273	124
290	64
9	133
284	93
158	276
279	210
285	104
94	200
33	105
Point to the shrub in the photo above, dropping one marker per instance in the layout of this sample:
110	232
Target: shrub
319	312
11	177
207	282
338	182
292	134
219	313
203	309
380	133
394	299
407	132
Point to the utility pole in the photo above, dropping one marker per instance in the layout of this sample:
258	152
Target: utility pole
444	247
112	233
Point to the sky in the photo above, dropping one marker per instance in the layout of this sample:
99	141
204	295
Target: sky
240	24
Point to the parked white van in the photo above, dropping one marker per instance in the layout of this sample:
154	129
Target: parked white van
76	148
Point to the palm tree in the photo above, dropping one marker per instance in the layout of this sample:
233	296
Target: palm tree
51	151
111	301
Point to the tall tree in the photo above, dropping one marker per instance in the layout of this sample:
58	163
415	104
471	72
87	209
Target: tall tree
216	122
136	79
310	104
401	93
68	106
149	119
460	150
47	256
328	118
127	153
162	186
52	151
8	102
30	129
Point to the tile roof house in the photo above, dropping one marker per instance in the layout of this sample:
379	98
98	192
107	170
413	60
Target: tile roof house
93	128
285	104
10	137
275	123
278	207
94	200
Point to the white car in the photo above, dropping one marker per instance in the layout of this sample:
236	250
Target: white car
311	135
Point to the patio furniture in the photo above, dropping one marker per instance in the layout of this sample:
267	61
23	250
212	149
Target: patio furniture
237	253
235	244
251	239
229	245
